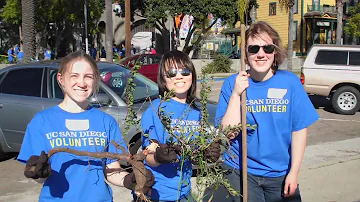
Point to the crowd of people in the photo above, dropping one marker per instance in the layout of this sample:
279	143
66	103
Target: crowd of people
276	103
16	55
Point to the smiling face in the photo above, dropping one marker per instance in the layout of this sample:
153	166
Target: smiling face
180	81
261	61
78	82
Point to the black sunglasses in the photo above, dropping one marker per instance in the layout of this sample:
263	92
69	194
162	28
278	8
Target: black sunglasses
255	48
171	73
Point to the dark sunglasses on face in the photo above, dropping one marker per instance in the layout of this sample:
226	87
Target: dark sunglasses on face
171	73
268	49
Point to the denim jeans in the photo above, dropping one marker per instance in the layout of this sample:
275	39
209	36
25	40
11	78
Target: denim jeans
260	189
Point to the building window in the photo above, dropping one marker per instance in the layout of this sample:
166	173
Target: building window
272	8
295	30
296	6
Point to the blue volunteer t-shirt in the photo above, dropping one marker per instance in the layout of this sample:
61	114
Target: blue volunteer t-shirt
16	50
169	186
10	57
48	53
278	106
73	178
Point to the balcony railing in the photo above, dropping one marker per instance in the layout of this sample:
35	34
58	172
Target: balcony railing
322	8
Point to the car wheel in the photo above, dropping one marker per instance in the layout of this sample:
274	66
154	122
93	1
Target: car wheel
346	100
136	148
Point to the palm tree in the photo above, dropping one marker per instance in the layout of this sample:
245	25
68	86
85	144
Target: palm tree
289	7
339	26
28	28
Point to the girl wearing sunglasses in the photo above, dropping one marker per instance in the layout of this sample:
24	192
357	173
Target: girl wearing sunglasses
278	104
176	72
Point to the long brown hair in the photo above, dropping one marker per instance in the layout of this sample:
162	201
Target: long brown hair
70	59
181	61
262	27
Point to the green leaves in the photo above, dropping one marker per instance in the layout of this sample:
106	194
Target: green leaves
12	12
352	27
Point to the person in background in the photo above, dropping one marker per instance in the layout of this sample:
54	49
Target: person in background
103	54
123	51
16	49
20	56
11	55
133	49
93	52
153	51
47	54
281	111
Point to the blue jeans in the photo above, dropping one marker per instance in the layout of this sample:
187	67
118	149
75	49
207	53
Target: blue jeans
260	189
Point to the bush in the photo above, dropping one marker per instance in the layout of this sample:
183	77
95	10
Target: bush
220	64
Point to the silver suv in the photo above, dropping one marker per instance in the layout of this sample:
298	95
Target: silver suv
333	71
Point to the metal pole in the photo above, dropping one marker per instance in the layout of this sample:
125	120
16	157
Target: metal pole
170	33
243	120
127	28
109	36
86	28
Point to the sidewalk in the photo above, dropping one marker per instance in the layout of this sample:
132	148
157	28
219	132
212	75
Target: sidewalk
334	181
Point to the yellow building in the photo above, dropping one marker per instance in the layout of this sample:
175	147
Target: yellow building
315	21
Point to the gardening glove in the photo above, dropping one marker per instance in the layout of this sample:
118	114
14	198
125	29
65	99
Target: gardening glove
37	167
167	153
130	182
212	153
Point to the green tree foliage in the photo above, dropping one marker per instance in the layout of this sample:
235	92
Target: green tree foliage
158	11
12	12
352	26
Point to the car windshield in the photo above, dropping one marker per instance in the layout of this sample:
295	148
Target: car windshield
115	77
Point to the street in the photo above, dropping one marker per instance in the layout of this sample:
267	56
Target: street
332	140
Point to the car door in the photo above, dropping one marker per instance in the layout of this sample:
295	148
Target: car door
153	67
20	99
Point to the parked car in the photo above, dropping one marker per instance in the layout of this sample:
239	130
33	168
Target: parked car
333	71
29	88
149	64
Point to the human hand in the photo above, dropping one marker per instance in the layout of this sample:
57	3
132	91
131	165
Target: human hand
167	153
130	182
291	184
37	167
241	83
212	153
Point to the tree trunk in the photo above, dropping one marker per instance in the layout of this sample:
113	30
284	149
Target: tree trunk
109	36
28	25
20	36
339	27
290	38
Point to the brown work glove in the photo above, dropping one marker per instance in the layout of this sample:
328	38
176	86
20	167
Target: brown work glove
167	153
212	153
37	167
130	182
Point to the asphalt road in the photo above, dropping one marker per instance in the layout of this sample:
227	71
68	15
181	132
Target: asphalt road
331	129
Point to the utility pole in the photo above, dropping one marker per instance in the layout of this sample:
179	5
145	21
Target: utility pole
86	27
109	36
127	28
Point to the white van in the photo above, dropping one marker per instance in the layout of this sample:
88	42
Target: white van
333	71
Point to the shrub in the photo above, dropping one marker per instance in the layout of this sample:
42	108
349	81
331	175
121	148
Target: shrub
220	64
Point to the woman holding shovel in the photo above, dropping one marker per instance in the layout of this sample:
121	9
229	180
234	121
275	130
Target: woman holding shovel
281	110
